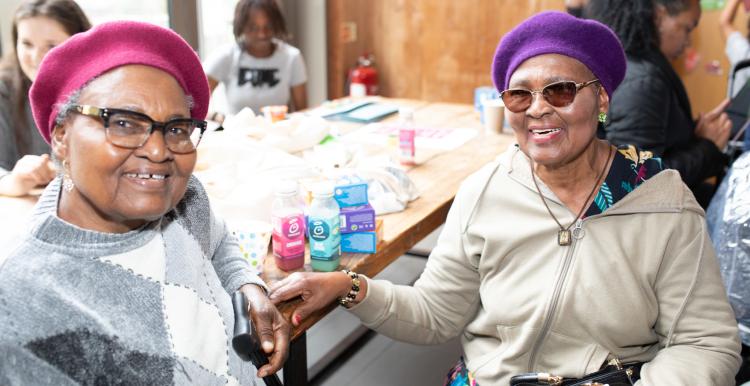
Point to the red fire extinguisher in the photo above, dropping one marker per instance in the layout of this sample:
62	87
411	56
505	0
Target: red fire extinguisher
363	79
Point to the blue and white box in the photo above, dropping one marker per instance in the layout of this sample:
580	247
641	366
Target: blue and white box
359	242
359	218
351	194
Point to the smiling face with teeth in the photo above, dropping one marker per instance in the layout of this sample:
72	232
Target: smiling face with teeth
118	189
556	136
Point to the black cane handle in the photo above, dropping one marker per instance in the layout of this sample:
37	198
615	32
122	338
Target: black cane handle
245	341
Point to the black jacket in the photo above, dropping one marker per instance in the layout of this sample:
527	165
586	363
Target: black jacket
651	110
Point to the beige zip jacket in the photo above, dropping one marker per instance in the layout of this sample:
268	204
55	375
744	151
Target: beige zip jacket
639	282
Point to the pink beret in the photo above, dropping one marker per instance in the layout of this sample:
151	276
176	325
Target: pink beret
86	55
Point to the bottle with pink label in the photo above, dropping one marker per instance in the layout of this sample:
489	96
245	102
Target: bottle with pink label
288	220
406	136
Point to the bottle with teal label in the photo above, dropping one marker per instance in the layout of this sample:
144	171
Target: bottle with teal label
323	229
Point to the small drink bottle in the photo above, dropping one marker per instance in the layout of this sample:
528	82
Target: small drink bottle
406	136
288	220
323	228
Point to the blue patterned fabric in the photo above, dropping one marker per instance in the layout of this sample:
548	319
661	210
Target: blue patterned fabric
459	375
630	168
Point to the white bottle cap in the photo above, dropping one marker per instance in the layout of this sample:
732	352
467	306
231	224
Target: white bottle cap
406	112
286	188
323	189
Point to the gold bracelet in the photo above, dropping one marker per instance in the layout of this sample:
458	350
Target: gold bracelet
347	300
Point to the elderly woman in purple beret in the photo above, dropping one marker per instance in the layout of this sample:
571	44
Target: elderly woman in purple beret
125	274
564	255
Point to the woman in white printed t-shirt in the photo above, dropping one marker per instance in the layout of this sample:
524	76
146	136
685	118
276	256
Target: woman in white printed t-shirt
738	46
259	68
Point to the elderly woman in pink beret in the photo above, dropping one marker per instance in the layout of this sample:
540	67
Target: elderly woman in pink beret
566	258
125	273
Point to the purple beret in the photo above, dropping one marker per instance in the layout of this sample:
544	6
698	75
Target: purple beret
86	55
589	41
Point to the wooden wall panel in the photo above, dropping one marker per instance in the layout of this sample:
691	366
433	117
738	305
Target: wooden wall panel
448	62
425	49
343	55
439	50
398	37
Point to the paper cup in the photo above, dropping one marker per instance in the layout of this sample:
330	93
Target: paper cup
253	238
274	113
483	93
493	115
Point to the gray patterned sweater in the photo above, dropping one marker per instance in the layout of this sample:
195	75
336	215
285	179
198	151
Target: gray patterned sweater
147	307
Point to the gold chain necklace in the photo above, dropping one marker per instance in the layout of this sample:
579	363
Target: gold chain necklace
564	234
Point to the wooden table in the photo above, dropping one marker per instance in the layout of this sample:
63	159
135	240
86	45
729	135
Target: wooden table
437	180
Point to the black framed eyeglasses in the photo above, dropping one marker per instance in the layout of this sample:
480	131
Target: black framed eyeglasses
558	94
131	129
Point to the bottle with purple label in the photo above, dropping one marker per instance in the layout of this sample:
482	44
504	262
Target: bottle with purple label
323	228
288	220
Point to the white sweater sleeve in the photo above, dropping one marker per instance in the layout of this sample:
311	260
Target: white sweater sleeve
442	301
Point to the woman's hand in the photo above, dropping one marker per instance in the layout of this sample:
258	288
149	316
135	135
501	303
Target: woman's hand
317	290
715	125
273	331
29	172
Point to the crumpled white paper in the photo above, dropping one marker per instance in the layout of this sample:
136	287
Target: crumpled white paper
292	135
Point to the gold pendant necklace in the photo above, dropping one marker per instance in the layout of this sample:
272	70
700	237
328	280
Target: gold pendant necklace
564	235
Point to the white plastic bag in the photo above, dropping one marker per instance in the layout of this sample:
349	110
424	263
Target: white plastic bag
728	217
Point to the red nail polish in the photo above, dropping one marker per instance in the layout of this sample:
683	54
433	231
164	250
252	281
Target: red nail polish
297	319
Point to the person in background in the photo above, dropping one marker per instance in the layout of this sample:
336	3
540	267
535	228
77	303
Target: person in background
38	26
565	252
738	46
651	108
259	68
575	7
124	274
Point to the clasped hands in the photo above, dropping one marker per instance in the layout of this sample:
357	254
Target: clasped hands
316	289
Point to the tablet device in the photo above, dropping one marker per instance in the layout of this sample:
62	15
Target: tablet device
370	112
345	108
738	109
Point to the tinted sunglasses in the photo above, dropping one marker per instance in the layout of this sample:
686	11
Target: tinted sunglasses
558	94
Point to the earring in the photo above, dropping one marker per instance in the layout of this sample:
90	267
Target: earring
67	182
602	117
